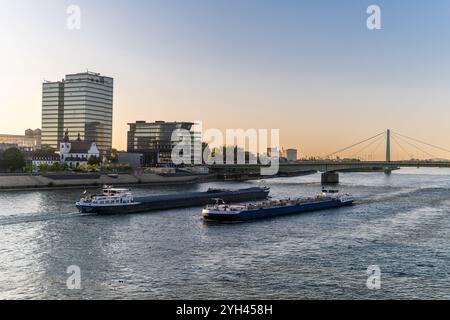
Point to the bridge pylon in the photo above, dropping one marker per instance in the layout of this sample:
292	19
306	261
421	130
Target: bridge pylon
388	145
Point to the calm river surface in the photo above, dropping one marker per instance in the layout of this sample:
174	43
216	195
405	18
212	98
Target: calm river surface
401	223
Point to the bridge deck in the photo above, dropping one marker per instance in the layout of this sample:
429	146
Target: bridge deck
328	166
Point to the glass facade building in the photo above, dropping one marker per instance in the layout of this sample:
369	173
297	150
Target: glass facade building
154	140
81	103
52	113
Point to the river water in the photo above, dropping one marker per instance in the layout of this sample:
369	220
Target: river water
401	223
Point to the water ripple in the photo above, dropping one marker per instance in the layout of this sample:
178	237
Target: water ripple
401	223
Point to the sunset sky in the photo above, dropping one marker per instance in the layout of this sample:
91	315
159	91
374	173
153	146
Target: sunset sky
309	68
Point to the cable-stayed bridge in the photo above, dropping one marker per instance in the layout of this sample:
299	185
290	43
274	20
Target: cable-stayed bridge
405	147
398	151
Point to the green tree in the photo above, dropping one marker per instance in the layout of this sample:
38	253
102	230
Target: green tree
13	159
2	162
114	157
236	149
93	160
59	166
44	167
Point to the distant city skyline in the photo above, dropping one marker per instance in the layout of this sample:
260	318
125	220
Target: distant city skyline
309	68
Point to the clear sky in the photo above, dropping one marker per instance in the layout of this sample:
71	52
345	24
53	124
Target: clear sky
310	68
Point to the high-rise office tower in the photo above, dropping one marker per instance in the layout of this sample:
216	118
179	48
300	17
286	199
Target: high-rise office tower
52	113
81	103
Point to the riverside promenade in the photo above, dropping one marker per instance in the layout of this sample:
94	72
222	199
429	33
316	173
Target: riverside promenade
25	182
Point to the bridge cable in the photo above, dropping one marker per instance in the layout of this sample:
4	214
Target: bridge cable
402	148
416	147
377	147
426	143
404	140
354	145
370	144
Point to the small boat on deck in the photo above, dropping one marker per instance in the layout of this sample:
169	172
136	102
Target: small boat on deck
326	200
121	201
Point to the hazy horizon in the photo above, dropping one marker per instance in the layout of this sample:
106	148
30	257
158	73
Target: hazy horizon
309	68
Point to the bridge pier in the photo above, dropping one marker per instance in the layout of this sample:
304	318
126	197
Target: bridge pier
330	178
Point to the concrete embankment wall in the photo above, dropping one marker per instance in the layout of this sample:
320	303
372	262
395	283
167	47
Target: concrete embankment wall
10	182
30	182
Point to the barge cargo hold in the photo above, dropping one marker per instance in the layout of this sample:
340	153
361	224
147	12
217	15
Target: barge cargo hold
121	201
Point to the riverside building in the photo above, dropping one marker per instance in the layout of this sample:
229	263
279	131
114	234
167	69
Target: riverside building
81	103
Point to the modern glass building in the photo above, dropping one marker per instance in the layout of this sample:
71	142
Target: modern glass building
81	103
154	140
52	113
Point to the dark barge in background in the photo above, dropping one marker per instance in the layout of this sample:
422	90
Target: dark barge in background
121	201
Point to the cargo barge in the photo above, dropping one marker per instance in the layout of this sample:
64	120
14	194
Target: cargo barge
122	201
326	200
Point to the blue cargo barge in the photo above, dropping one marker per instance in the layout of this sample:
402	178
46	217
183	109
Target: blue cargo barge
121	201
326	200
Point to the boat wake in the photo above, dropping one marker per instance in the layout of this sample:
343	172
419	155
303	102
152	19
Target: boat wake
388	196
405	224
405	193
31	218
